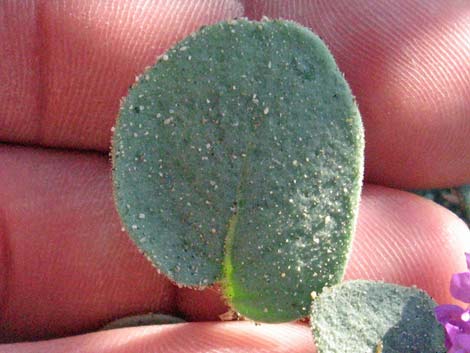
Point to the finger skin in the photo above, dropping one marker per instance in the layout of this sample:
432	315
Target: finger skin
202	305
67	64
406	239
230	337
70	269
407	64
67	266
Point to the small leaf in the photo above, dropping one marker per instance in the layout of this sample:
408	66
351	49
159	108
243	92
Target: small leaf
238	158
365	316
464	193
143	320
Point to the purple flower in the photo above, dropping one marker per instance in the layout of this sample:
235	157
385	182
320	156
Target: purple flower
456	320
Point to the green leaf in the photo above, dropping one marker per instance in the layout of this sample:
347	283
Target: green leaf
464	195
143	320
238	159
369	317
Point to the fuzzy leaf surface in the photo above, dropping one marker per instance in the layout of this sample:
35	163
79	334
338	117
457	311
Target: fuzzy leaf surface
369	317
238	158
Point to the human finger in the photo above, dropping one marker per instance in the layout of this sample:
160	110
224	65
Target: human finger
66	266
228	337
65	65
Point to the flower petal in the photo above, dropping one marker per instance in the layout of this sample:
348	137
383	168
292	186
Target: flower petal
467	257
463	341
451	334
447	312
460	286
457	350
465	316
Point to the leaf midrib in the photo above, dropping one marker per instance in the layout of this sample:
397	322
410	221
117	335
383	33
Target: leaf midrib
227	271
